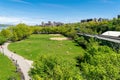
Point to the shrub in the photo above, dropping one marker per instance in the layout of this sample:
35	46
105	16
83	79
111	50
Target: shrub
2	39
82	42
54	68
20	32
6	33
100	63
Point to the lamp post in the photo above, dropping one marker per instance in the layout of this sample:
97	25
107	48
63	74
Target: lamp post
2	49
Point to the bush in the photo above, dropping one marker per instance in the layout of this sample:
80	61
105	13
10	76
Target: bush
100	63
2	39
81	42
6	33
20	32
54	68
102	67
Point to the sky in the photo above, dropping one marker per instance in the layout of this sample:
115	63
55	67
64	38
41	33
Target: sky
35	11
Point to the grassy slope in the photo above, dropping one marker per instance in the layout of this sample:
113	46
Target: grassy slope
7	69
41	44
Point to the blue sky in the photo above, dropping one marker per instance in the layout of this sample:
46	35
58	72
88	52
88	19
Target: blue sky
35	11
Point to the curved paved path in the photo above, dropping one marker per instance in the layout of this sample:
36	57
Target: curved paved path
24	64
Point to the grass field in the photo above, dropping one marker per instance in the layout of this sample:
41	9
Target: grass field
41	44
7	69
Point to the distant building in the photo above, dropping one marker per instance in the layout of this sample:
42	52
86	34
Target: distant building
82	21
95	19
42	23
118	16
51	23
57	23
100	20
87	20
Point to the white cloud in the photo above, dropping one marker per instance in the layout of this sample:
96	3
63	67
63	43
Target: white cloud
8	20
53	5
21	1
107	1
16	20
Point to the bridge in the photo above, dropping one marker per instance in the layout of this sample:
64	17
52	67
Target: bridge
102	37
110	41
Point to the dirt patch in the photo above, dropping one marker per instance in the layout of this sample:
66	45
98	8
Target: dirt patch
59	38
55	34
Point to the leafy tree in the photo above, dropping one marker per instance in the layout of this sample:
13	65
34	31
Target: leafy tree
20	32
81	42
2	39
54	68
14	37
6	33
100	63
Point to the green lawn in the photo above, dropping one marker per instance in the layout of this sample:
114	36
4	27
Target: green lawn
41	44
7	69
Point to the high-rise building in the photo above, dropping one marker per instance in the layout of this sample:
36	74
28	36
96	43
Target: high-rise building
42	23
118	16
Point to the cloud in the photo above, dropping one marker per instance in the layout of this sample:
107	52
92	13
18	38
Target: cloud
8	20
17	20
53	5
107	1
21	1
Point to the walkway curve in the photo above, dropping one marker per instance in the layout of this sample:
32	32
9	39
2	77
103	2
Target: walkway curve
24	64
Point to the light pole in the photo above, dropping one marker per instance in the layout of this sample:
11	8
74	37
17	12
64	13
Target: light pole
2	49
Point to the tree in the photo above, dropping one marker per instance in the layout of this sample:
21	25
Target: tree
6	33
2	39
81	42
100	63
54	68
20	32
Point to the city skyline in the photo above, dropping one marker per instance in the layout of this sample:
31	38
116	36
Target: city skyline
35	11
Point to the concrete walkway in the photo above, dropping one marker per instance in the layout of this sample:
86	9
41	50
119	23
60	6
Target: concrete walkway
23	64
